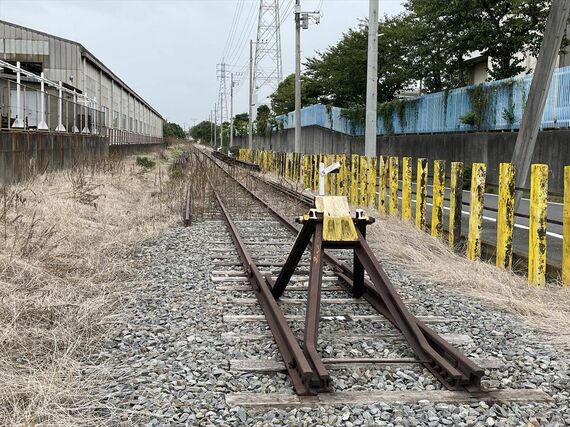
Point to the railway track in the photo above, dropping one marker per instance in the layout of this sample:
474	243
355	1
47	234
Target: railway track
355	334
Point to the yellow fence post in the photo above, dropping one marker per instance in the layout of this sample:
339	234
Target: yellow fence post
316	159
478	175
338	178
354	163
455	203
421	193
566	229
407	188
382	183
328	178
438	193
393	207
537	224
372	168
505	215
304	173
363	167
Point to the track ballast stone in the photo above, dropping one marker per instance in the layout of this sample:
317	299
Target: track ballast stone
170	363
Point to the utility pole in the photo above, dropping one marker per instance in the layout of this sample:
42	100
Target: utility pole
297	76
250	124
211	130
371	81
215	126
532	115
232	84
221	122
301	21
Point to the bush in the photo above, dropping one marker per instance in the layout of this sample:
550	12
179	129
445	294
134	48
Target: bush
470	119
145	162
234	151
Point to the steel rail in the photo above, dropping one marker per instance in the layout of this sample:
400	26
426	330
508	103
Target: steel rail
299	368
451	367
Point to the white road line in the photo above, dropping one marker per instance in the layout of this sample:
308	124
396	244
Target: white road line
488	218
494	195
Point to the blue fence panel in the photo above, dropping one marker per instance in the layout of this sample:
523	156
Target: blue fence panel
442	111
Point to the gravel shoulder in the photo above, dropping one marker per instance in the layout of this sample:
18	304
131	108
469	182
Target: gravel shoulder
169	358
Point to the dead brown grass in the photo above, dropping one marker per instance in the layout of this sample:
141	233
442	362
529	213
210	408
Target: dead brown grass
430	260
63	238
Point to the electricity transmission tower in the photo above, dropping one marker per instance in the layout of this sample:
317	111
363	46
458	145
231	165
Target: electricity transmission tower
267	66
223	98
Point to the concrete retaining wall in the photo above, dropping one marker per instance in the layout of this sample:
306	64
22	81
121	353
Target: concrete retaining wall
491	148
23	153
131	149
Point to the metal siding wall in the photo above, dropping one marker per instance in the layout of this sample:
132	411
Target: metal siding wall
441	112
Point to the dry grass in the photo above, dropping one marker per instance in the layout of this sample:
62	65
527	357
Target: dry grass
430	260
63	237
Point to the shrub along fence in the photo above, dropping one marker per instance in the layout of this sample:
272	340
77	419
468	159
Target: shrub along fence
374	182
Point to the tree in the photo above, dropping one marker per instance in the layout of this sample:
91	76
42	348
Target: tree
263	119
241	124
340	71
172	130
202	131
283	99
447	31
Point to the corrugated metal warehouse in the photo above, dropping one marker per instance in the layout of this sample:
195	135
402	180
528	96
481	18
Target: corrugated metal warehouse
126	116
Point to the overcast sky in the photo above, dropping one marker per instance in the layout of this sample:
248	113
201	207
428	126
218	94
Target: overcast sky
167	50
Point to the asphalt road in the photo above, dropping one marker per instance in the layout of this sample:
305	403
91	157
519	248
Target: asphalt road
521	230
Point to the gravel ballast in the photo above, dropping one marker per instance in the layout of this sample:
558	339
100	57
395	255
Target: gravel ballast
170	360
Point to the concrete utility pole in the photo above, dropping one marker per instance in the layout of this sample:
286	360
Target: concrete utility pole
231	110
532	115
211	131
372	81
215	126
297	76
250	124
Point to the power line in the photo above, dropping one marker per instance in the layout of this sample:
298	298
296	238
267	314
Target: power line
233	27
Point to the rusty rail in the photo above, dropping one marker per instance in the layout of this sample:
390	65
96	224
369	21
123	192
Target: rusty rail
451	367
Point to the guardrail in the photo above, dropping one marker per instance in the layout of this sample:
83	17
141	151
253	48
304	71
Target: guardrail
379	183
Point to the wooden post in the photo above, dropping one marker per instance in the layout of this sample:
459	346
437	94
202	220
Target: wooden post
479	172
438	193
506	215
566	229
383	183
421	193
407	188
394	164
455	203
372	167
354	164
537	224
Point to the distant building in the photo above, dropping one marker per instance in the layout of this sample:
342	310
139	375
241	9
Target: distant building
478	65
126	116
